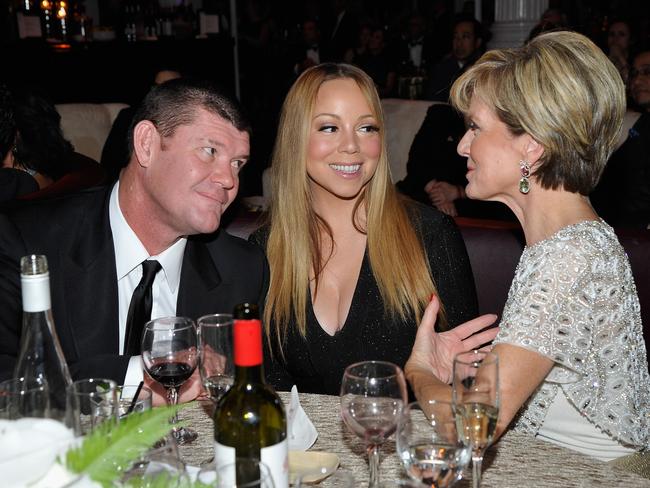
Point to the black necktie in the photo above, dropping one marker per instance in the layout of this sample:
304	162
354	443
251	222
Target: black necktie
140	308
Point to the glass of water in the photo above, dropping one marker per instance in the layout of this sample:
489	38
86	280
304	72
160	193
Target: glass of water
429	446
216	354
125	394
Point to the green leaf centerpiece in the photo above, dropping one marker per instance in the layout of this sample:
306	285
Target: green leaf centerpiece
111	449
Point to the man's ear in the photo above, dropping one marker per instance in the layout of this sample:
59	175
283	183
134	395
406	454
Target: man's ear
145	136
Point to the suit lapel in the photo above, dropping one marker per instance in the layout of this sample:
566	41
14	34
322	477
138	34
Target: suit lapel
202	290
89	268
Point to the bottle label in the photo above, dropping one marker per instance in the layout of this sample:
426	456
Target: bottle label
275	457
36	292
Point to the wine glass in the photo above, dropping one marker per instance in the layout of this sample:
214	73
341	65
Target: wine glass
216	353
170	356
475	393
428	444
372	396
159	466
244	473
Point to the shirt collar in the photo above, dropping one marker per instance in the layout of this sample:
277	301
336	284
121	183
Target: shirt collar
130	252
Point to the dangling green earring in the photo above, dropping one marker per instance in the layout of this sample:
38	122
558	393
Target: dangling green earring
524	184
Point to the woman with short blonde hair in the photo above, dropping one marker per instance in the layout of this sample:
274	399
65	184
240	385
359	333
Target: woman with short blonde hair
353	266
543	120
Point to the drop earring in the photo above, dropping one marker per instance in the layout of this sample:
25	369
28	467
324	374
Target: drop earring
524	183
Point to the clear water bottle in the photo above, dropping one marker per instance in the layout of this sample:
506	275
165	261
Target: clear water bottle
41	359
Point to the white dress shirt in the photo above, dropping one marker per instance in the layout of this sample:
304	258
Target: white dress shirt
129	255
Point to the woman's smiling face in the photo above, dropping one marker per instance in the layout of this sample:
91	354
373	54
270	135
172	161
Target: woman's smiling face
344	141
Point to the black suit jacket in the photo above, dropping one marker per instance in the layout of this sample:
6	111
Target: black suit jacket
218	272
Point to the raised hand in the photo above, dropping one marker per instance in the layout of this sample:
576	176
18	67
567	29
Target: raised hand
434	352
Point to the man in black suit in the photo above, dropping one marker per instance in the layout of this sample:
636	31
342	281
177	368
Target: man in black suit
188	142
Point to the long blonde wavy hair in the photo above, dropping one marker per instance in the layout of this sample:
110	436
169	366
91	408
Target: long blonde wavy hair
396	253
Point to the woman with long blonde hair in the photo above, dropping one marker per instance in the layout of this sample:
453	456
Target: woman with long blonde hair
353	266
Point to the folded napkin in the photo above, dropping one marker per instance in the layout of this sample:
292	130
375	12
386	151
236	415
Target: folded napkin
30	447
300	429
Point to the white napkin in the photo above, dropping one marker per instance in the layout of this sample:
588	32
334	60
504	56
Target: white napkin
301	431
30	447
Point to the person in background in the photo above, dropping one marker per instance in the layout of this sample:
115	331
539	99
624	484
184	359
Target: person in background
379	63
468	44
310	51
622	196
353	265
13	181
435	172
619	46
40	150
115	153
188	144
543	119
363	39
415	52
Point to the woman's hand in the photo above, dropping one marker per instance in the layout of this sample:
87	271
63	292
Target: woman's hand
189	390
434	352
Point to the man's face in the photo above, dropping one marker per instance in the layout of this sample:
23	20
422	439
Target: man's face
464	41
640	80
193	175
417	27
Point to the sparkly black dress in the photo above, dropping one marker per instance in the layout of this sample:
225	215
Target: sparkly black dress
316	364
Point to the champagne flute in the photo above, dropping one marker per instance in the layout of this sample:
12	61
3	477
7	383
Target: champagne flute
170	356
215	353
429	446
372	396
475	393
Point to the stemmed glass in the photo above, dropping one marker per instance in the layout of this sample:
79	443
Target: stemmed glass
372	396
475	393
215	353
226	475
170	356
428	444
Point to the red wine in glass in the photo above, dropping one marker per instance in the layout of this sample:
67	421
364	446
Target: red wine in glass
170	356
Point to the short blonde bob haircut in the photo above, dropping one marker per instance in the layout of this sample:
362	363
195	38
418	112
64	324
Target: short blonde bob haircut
396	253
563	91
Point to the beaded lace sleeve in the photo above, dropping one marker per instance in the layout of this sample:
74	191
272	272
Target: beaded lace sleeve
573	300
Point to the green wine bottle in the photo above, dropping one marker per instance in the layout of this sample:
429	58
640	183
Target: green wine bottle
249	420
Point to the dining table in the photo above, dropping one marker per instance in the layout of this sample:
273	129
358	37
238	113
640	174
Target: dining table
516	460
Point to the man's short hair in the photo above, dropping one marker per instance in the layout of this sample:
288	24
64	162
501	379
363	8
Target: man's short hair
175	103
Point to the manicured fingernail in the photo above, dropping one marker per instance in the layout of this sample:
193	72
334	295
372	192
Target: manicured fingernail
433	295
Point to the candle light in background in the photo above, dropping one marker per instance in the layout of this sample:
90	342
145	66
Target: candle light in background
62	14
46	15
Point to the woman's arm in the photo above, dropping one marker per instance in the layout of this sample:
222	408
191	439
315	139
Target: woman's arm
520	373
429	368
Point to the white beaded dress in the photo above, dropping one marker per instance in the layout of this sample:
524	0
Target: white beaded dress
573	300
